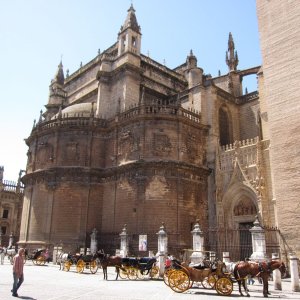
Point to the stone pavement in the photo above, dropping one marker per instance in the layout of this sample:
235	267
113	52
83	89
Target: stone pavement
49	283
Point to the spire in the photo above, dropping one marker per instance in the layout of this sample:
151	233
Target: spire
231	55
59	76
191	60
131	21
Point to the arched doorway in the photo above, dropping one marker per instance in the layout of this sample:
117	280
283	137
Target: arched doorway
244	213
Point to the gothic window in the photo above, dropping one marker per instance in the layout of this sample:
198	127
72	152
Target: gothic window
5	214
3	230
133	42
123	42
260	128
224	127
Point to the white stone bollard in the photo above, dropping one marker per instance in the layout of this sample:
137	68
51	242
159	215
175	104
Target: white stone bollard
258	242
197	256
276	274
294	273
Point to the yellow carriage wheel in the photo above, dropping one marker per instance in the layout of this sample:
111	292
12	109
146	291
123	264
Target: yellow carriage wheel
93	266
80	266
154	272
123	273
67	265
224	286
167	273
179	281
209	282
140	275
132	273
40	260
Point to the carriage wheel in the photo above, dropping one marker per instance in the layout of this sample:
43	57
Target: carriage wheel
140	275
67	265
80	266
93	266
40	260
179	281
167	273
209	282
123	273
132	273
154	272
224	286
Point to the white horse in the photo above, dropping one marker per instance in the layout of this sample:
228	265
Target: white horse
2	254
61	259
10	253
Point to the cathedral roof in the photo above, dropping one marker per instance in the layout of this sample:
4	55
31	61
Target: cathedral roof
82	109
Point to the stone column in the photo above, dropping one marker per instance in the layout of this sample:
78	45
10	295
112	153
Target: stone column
162	248
276	274
198	241
258	242
124	242
294	273
226	257
94	242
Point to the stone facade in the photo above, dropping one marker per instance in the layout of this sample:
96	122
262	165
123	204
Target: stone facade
11	202
279	27
126	140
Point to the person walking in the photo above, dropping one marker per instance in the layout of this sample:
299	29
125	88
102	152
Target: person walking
18	271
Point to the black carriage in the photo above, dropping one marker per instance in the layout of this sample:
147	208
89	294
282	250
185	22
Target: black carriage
82	262
38	257
133	268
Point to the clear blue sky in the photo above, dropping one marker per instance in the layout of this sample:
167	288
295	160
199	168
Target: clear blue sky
35	33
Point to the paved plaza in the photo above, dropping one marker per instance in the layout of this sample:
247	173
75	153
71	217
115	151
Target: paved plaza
49	283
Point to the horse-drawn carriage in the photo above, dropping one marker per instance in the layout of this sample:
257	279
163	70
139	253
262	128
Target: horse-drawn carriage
181	277
133	268
81	262
38	256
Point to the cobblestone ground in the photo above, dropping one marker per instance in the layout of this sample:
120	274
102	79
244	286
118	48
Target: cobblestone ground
49	283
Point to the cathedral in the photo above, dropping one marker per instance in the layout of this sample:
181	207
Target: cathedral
127	140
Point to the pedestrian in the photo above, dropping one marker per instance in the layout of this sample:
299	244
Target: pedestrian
18	271
250	280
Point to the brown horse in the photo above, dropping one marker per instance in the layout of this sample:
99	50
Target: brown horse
254	269
109	261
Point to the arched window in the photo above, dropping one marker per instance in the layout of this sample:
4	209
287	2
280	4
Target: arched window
224	129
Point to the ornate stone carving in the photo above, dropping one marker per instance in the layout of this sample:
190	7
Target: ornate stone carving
161	144
244	207
127	143
72	152
44	153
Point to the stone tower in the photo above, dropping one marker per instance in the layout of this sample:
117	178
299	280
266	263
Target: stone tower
279	28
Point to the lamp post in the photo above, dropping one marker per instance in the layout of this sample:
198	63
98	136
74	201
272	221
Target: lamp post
124	242
162	248
198	241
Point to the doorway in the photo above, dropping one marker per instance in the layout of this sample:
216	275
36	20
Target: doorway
245	240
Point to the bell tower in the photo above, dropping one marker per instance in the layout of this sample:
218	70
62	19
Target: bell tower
129	38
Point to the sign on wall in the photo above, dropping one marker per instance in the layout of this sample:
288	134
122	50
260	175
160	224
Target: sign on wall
142	242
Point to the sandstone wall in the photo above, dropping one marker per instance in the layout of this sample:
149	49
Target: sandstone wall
279	27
